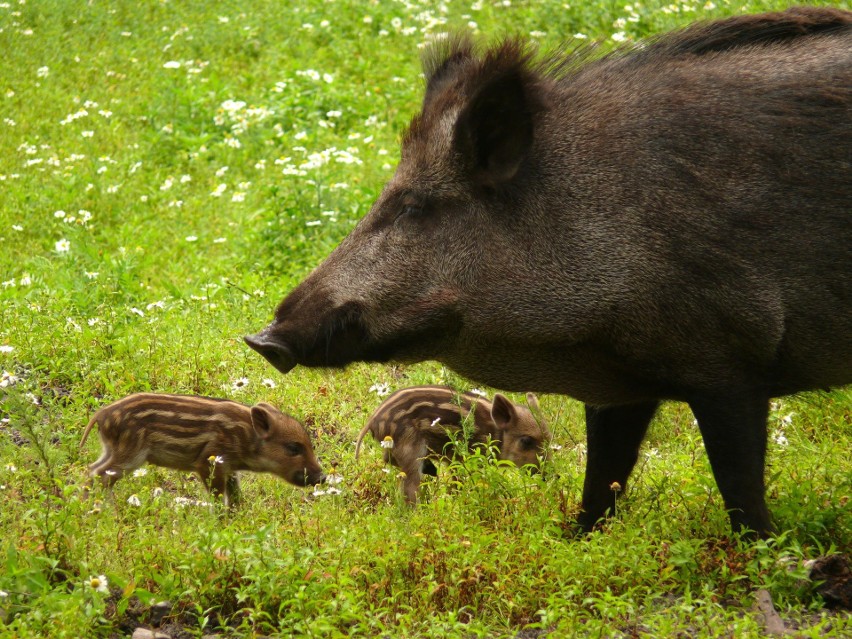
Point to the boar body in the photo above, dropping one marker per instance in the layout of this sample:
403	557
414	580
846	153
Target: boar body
422	423
666	222
214	438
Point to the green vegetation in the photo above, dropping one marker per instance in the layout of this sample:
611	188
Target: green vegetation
169	170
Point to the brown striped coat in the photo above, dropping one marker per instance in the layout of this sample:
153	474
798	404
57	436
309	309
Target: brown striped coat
418	426
215	438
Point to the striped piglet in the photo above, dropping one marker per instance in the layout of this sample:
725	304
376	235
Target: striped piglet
416	427
215	438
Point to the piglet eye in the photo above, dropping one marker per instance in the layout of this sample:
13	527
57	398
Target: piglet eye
528	443
293	449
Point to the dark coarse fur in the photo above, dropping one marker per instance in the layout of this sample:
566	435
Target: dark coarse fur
669	221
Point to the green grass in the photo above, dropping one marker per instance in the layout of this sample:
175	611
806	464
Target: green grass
205	159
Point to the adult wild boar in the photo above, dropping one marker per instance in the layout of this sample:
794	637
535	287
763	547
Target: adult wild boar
669	221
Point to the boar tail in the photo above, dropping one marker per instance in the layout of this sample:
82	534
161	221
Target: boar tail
361	436
91	423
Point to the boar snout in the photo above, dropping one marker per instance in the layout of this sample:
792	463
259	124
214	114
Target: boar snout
328	337
276	353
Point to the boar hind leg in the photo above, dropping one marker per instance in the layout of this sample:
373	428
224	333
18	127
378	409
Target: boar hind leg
613	436
734	433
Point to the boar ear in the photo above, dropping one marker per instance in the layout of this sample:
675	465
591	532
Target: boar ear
261	420
494	132
442	61
502	411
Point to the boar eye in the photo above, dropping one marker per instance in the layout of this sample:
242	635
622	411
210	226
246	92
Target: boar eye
294	449
411	210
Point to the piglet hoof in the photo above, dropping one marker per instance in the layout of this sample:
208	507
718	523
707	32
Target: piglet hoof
835	574
159	611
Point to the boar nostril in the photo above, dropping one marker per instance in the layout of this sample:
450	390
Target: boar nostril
276	354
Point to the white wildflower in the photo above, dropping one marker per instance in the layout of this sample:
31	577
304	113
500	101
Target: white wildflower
185	501
99	583
381	389
8	379
133	500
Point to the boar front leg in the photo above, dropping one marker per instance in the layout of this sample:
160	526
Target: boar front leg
613	437
734	431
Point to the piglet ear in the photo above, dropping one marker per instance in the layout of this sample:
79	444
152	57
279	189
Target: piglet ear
502	411
261	420
494	131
